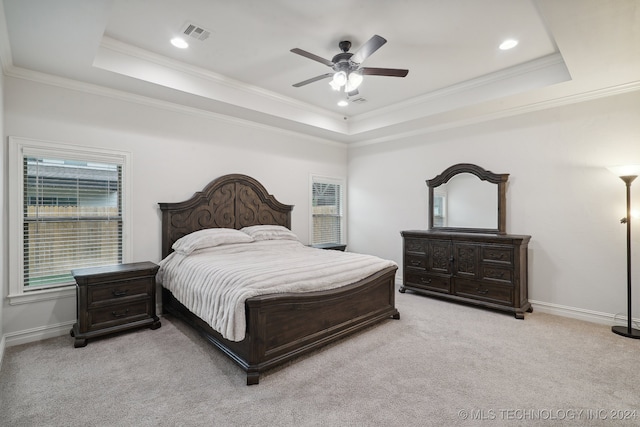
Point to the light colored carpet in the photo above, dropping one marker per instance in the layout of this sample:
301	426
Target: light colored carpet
441	364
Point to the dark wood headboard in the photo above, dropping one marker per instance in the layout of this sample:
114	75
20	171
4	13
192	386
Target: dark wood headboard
231	201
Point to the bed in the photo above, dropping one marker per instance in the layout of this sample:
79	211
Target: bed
279	326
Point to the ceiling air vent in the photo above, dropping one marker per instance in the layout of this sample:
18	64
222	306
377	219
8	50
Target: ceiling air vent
196	32
359	101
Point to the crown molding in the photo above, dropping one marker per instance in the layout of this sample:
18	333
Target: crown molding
494	110
537	74
425	125
142	54
457	89
93	89
134	62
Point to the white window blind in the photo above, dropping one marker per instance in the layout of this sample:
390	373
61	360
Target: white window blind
327	209
72	218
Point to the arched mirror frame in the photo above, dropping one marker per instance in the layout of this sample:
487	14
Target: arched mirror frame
484	175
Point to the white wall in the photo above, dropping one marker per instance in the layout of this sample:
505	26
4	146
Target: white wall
559	192
3	216
174	154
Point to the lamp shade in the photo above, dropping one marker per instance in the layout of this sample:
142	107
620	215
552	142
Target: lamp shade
353	81
334	85
625	170
340	78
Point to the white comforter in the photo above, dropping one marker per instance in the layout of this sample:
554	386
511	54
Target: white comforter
214	283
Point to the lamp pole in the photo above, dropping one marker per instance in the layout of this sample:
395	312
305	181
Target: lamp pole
628	331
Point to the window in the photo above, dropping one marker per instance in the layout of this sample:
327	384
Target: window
327	210
67	212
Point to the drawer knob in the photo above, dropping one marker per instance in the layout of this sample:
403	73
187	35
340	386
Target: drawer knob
118	293
122	314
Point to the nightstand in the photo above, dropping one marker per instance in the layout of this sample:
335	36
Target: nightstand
332	246
114	298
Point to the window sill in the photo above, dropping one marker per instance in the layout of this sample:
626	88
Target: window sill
42	295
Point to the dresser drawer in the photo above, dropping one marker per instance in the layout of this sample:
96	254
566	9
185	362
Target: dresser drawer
105	317
119	291
497	273
415	261
498	254
495	293
415	245
428	281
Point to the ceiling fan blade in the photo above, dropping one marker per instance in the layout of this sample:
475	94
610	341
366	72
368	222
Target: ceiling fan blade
364	51
392	72
353	92
312	56
313	79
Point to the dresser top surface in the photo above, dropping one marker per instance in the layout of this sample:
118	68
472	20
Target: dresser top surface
480	237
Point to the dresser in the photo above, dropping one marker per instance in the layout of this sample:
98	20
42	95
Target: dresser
114	298
487	270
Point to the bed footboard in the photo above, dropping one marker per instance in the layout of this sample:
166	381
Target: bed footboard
281	327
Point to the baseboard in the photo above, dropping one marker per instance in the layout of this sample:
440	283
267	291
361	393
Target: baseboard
37	334
580	313
572	312
3	343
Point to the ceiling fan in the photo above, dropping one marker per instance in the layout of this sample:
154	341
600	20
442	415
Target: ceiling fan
347	72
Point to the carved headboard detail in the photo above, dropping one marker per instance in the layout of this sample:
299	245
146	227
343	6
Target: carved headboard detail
231	201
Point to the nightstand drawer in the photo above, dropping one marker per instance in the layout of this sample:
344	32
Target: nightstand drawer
116	293
118	314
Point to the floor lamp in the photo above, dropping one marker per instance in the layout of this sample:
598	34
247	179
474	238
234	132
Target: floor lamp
627	174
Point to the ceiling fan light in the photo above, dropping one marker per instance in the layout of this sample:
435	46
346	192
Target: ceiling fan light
334	86
353	82
340	78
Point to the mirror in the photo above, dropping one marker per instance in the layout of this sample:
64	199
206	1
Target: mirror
468	198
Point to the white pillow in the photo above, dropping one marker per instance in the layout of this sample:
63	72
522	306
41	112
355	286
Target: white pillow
269	232
209	238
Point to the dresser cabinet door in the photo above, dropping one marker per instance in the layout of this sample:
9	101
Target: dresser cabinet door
466	260
439	256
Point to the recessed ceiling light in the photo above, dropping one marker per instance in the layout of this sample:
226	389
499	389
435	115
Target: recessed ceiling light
508	44
342	103
179	43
